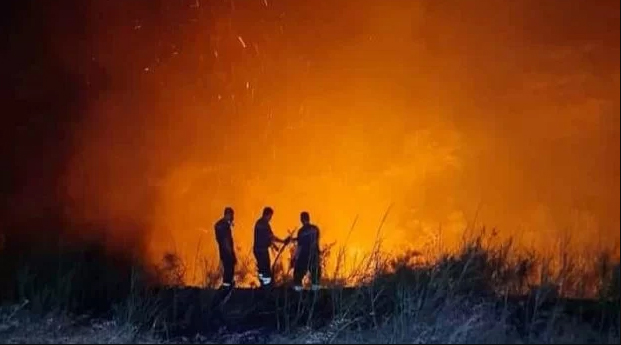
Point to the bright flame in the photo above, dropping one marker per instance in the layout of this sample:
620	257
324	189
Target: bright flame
343	110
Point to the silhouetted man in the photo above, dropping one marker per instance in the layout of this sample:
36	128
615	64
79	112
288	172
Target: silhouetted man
264	238
225	246
306	256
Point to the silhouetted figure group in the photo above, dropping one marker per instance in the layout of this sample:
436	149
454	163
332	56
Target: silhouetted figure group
306	258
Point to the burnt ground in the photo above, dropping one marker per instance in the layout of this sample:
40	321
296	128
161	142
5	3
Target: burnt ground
190	311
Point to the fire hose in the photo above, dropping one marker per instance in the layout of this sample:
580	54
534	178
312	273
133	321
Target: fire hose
282	249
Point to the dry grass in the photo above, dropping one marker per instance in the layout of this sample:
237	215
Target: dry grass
460	323
20	326
460	298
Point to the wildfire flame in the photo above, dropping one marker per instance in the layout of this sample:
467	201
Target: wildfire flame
342	109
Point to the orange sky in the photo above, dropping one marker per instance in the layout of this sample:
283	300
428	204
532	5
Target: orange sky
342	109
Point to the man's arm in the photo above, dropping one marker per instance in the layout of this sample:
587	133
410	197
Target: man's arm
274	237
295	239
231	242
317	235
277	239
224	237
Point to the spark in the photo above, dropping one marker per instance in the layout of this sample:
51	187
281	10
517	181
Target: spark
241	40
265	3
247	85
136	27
215	53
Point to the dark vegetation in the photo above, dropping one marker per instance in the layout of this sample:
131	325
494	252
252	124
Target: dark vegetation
484	293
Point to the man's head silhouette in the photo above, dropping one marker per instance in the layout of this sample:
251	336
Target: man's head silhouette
229	214
268	212
304	217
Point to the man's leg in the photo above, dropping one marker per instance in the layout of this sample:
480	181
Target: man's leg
299	271
229	272
257	258
267	268
315	270
263	265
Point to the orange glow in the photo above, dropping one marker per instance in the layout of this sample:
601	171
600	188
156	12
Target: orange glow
456	117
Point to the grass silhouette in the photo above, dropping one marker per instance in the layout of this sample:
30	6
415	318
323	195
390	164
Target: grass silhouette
486	292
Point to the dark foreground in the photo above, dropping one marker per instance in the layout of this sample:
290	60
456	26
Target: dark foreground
191	311
360	315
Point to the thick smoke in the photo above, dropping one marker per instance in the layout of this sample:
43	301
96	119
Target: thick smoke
496	113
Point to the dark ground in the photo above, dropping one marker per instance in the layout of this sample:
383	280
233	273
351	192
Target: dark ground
193	310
